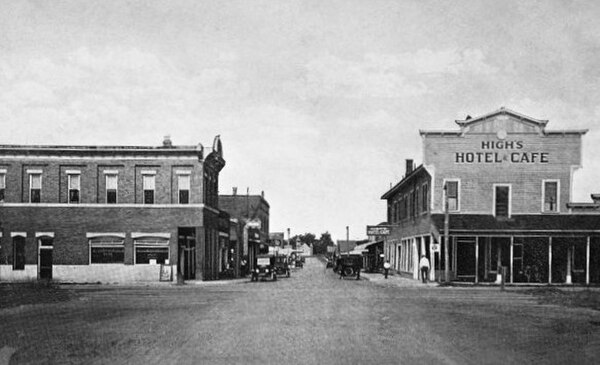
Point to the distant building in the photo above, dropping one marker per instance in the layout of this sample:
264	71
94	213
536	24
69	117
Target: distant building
505	181
109	213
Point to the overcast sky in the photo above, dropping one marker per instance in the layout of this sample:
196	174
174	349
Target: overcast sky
318	103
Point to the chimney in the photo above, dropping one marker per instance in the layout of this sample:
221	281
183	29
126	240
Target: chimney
409	166
235	190
596	198
262	194
167	143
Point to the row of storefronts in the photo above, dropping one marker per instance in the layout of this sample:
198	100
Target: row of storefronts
120	214
500	188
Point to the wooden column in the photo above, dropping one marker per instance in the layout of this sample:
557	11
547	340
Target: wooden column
512	251
549	260
587	261
499	264
476	260
569	279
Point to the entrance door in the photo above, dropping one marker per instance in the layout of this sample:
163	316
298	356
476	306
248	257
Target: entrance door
465	258
45	262
187	253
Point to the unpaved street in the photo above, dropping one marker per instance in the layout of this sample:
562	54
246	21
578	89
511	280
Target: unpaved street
310	318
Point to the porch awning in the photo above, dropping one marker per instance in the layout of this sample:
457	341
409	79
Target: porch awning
363	248
522	224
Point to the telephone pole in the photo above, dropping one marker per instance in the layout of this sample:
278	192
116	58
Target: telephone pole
446	236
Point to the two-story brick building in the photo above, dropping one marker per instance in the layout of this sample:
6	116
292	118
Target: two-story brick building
109	213
506	183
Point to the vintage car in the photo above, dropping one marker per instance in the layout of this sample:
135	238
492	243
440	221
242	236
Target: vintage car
349	265
264	268
282	266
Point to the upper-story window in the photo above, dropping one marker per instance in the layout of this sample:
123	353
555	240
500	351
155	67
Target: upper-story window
148	182
452	191
183	184
111	188
424	197
74	183
2	185
550	195
35	187
502	200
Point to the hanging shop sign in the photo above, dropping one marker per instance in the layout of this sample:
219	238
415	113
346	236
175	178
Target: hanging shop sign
378	230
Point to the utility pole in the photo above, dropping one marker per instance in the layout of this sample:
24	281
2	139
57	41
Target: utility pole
446	236
348	237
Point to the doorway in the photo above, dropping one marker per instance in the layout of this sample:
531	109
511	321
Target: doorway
45	258
187	253
465	258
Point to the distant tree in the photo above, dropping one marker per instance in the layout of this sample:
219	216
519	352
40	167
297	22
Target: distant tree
320	246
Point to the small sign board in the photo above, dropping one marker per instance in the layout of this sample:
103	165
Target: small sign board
166	272
434	247
378	230
330	249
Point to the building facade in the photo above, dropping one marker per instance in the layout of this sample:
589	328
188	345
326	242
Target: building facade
252	215
109	213
506	183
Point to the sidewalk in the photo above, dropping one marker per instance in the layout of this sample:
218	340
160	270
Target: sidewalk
396	280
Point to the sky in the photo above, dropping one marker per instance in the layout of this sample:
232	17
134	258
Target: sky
318	103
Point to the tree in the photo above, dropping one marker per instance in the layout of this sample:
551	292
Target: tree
320	246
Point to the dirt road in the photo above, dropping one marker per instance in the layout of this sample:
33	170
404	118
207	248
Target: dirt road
311	318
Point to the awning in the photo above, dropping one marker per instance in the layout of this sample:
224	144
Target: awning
363	248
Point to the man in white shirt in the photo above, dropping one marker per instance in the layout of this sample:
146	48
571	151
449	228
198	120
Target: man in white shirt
424	266
386	268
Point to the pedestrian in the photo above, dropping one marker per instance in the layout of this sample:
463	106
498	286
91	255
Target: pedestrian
386	268
424	266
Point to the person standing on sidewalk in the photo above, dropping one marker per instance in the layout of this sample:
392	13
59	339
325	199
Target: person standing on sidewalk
424	266
386	268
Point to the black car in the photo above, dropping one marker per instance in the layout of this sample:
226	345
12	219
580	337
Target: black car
264	268
282	266
349	265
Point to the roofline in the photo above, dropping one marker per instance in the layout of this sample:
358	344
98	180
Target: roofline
439	132
401	182
502	110
568	131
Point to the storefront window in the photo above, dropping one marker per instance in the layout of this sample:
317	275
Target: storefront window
107	250
151	250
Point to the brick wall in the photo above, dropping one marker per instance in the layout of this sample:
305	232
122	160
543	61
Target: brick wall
71	223
93	181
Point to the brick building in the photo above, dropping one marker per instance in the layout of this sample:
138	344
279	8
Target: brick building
109	213
251	213
506	182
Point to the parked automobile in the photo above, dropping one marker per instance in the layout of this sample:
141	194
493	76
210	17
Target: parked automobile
264	268
282	265
349	265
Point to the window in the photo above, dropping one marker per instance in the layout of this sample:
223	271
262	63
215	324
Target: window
148	189
2	186
502	200
452	193
18	253
35	188
424	198
111	189
183	182
74	182
550	195
151	250
107	250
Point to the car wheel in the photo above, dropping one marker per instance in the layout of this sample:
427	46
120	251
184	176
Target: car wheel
348	271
